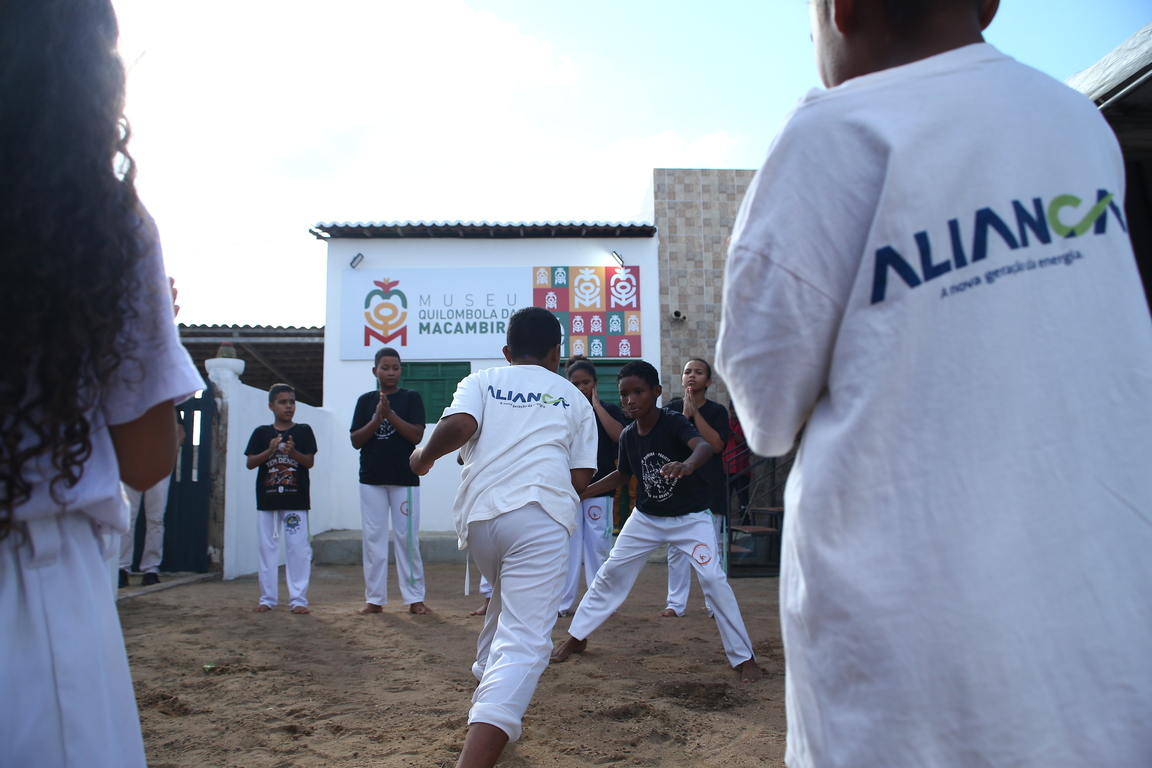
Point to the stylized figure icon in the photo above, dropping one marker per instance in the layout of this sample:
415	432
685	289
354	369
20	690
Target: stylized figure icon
587	288
633	324
702	554
614	324
578	347
596	325
385	320
578	324
542	276
550	300
625	348
623	288
561	276
596	348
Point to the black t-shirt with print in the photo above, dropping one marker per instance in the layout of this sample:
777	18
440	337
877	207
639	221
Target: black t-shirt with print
606	448
716	416
384	458
281	483
644	455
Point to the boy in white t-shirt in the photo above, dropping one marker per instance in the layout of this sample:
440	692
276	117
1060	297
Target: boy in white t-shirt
933	272
527	438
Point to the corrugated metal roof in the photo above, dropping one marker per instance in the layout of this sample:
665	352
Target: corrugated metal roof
482	229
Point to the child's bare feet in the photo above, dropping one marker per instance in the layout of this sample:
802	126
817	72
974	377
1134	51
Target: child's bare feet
750	671
301	609
262	608
482	609
668	613
419	609
570	646
370	608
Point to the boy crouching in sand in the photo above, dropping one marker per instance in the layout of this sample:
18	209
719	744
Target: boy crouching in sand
528	442
664	449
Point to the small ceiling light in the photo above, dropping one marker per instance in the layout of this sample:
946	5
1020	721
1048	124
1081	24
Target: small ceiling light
356	260
619	259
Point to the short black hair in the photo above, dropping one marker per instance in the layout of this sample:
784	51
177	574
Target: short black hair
580	363
384	352
644	371
276	389
907	16
532	332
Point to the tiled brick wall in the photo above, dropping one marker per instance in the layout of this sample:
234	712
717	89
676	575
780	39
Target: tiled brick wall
695	210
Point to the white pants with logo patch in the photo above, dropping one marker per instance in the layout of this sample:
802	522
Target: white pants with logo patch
692	534
292	526
155	504
524	556
377	504
590	544
680	574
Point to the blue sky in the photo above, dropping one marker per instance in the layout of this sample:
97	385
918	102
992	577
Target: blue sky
253	121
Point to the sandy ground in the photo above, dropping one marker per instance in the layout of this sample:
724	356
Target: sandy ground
219	685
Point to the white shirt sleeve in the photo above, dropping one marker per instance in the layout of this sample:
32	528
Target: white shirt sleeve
585	443
468	398
156	367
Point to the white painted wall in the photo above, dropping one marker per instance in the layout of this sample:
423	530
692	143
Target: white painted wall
247	408
344	381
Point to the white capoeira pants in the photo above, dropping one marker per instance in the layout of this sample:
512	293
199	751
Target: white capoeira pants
67	693
680	573
377	504
590	544
293	524
155	504
693	535
524	556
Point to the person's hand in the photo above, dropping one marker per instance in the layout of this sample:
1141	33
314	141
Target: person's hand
593	395
175	293
383	408
689	404
675	469
274	443
418	464
290	445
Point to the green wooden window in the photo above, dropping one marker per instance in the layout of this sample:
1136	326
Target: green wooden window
436	383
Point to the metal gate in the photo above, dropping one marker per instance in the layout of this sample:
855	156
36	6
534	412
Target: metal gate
186	517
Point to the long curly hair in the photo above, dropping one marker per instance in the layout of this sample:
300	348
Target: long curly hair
69	234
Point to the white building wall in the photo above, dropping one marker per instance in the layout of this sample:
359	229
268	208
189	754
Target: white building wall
346	380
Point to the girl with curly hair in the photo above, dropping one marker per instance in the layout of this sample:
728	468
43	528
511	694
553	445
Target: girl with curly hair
92	367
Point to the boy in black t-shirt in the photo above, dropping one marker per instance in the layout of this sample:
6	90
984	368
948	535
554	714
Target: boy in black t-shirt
387	425
282	454
672	499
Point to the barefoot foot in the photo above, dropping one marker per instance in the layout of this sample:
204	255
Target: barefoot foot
370	608
482	609
262	608
419	609
750	671
668	613
570	646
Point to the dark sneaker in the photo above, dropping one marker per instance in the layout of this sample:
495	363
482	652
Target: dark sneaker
150	579
123	578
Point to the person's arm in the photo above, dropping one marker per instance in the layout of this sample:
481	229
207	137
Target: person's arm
706	430
581	478
611	426
449	434
256	459
701	452
146	447
604	485
306	460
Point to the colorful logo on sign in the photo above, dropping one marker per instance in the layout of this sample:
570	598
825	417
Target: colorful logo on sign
598	308
386	313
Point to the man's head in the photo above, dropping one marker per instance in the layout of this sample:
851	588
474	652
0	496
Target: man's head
533	337
282	402
858	37
386	368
